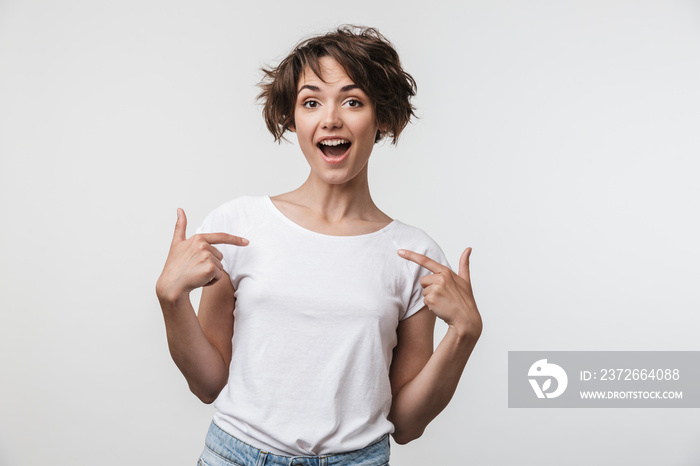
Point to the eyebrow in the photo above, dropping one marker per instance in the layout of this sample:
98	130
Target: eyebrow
313	88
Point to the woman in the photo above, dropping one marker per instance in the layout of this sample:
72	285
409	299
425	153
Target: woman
313	336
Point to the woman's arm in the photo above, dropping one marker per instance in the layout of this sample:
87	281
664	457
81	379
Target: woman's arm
423	386
424	381
199	345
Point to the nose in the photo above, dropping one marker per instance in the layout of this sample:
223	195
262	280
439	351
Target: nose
331	118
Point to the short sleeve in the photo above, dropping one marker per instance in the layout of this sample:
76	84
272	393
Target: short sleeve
212	223
433	251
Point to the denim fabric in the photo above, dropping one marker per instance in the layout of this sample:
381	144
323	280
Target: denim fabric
222	449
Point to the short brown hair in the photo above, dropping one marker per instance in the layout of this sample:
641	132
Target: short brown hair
368	58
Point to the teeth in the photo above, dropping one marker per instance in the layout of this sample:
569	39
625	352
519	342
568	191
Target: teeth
333	142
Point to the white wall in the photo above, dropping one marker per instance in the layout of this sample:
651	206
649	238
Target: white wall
558	139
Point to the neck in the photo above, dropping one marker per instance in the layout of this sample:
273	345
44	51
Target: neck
337	202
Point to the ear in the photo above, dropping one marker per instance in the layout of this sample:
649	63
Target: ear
381	129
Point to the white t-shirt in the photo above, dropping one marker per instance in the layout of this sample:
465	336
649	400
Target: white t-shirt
314	328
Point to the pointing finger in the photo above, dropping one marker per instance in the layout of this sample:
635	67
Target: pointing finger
180	226
224	238
422	260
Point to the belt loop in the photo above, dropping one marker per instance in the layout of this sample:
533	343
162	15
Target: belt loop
262	457
323	461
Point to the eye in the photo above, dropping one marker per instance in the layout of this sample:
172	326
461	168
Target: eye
354	103
310	104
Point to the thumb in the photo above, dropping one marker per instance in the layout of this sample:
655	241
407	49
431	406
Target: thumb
180	226
464	264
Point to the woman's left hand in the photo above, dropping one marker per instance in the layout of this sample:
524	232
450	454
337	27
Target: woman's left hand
449	295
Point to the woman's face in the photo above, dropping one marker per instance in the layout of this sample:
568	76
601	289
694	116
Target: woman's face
334	122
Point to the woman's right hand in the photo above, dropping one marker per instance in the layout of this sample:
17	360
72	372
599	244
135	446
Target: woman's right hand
192	262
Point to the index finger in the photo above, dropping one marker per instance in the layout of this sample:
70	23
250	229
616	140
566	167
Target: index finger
223	238
422	260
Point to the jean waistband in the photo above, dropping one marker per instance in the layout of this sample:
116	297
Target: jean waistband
227	446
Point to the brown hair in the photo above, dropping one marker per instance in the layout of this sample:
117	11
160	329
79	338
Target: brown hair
368	58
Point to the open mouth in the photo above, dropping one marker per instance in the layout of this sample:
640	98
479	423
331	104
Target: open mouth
334	147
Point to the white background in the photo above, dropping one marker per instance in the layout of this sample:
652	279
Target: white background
558	139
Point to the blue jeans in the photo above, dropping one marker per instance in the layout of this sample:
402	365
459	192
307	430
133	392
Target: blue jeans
222	449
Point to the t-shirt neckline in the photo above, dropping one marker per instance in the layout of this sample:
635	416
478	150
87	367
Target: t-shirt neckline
292	223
